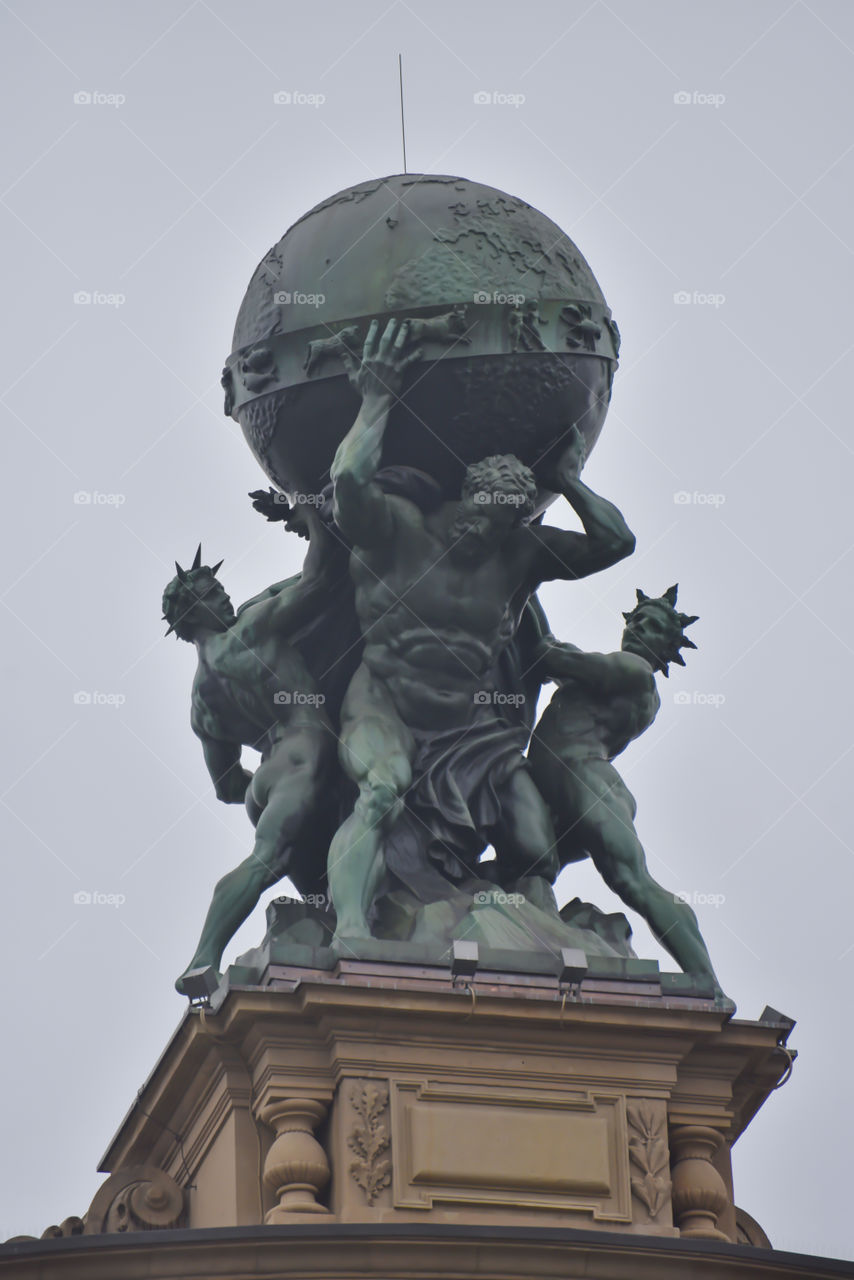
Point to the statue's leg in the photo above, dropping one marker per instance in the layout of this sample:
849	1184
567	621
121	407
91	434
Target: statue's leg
286	789
606	826
376	753
525	843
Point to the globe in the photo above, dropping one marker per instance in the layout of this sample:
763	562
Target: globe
517	342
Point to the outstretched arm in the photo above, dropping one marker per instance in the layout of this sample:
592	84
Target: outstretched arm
269	592
606	540
362	511
604	674
283	608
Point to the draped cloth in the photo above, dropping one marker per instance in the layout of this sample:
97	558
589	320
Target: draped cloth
454	802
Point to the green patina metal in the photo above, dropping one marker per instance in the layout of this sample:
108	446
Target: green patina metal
421	366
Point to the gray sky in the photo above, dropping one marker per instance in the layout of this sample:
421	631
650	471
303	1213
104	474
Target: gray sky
162	193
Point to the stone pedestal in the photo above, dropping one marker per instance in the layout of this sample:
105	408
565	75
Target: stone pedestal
369	1118
381	1093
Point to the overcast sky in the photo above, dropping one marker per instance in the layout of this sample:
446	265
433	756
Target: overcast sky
701	150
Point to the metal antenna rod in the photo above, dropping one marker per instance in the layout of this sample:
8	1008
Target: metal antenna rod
402	124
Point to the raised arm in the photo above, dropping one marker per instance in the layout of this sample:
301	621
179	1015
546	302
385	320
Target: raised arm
606	540
287	605
269	592
283	609
362	511
605	674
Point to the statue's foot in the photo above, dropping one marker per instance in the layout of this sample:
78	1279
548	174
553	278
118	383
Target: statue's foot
348	932
200	978
723	1002
539	892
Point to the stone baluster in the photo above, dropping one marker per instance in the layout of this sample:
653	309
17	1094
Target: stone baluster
296	1168
698	1190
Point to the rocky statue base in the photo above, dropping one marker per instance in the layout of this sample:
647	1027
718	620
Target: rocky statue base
361	1117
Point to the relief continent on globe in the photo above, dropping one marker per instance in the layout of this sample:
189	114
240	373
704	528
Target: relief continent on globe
517	341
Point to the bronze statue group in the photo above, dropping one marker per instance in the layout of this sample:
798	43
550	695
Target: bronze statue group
391	690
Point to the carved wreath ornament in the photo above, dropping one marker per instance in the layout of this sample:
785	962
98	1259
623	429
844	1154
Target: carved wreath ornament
369	1138
649	1154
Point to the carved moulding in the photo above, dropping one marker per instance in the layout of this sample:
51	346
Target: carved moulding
138	1198
649	1155
369	1137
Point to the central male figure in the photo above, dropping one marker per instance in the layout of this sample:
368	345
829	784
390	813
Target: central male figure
438	597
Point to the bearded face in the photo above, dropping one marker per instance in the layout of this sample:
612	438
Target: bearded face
482	523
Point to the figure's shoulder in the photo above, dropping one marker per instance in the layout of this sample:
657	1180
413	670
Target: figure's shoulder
525	542
402	522
405	511
634	669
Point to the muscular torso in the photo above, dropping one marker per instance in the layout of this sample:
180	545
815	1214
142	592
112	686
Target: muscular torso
587	719
239	676
433	626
